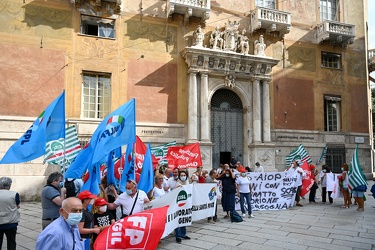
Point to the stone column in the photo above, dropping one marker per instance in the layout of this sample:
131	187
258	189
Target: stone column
256	112
192	133
266	112
205	114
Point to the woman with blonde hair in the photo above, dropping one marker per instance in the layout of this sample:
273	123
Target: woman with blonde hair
158	189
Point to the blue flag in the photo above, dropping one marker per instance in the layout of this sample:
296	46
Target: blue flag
112	158
146	181
128	173
49	126
117	129
80	164
92	184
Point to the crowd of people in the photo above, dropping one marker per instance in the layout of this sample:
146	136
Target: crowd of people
74	221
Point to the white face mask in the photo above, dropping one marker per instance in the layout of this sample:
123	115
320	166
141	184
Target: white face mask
103	209
227	175
183	178
243	174
92	202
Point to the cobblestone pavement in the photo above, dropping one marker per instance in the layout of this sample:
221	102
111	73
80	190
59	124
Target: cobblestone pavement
313	226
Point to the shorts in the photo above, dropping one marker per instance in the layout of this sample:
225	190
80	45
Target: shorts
358	193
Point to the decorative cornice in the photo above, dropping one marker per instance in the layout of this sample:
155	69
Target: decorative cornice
225	63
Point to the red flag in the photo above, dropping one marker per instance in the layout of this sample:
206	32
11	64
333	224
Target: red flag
308	181
139	231
140	152
185	157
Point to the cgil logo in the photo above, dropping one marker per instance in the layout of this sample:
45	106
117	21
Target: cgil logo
181	198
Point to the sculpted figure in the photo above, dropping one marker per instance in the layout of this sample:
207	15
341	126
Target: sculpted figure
243	43
216	41
198	37
259	46
231	36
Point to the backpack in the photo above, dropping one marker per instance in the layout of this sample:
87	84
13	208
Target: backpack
70	188
235	217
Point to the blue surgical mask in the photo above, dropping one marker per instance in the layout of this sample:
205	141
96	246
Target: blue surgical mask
73	218
183	178
61	184
129	191
227	175
324	170
342	169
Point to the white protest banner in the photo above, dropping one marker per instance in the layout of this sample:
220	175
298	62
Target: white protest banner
179	212
204	200
336	192
331	180
273	190
182	201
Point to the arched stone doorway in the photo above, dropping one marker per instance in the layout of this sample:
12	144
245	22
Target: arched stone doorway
226	127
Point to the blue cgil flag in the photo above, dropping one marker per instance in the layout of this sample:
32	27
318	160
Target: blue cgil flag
117	129
50	125
129	172
146	181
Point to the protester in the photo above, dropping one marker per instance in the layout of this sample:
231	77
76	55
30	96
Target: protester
131	201
345	185
228	199
358	194
167	174
9	214
180	232
63	233
197	176
158	189
258	168
109	194
247	168
233	162
211	178
172	181
52	198
300	174
102	218
73	187
323	180
315	186
243	185
85	225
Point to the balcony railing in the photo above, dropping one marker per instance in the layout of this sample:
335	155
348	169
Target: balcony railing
336	33
271	20
188	8
371	60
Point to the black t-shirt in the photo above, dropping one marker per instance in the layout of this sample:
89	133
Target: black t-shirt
87	218
102	220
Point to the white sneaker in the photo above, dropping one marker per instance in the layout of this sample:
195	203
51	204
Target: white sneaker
251	216
244	215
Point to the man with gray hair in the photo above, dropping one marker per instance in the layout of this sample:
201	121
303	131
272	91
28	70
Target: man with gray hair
10	216
52	196
63	233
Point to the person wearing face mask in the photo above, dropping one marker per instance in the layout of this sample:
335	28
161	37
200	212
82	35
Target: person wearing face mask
63	233
244	192
180	232
52	196
131	201
300	174
102	218
323	181
85	225
172	181
228	182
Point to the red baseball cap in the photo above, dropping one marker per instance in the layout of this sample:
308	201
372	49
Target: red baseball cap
86	195
100	202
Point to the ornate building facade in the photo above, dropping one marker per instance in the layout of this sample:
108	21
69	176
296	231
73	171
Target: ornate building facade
249	79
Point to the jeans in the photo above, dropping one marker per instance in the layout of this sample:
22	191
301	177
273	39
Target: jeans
180	232
246	196
11	238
